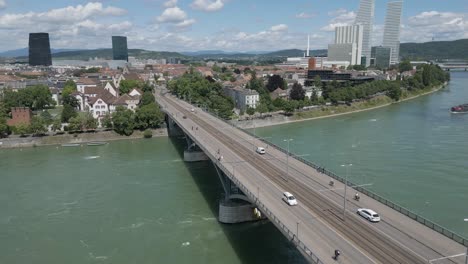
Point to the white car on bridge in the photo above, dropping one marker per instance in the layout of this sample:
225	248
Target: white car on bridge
261	150
289	198
369	214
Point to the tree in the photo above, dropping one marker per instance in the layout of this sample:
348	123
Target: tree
147	98
21	129
147	87
70	100
47	117
56	125
106	121
405	66
126	86
42	97
394	92
262	108
69	88
124	121
297	92
250	111
38	126
314	97
68	112
237	71
288	108
74	124
4	128
89	122
148	116
317	82
274	82
427	75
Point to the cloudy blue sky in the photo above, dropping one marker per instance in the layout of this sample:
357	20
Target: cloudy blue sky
231	25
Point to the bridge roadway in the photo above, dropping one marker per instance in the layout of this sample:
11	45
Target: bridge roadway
317	220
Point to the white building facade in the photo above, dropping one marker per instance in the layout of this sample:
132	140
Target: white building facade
365	17
391	38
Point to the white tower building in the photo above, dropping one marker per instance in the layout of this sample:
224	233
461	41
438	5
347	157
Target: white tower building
365	17
391	38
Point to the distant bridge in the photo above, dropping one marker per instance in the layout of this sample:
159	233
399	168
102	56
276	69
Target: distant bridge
453	65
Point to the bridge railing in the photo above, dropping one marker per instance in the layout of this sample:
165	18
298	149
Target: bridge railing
436	227
283	228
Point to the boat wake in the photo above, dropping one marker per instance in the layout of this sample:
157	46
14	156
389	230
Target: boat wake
91	157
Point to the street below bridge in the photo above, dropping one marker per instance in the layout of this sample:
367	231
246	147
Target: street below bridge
318	219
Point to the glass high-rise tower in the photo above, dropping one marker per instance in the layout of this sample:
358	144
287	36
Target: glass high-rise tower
119	48
39	49
365	17
391	38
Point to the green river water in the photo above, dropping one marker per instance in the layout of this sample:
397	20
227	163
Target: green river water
138	202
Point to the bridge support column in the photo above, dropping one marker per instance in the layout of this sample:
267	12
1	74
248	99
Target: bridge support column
173	129
193	153
236	206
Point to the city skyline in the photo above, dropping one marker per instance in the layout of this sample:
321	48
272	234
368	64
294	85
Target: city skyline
216	25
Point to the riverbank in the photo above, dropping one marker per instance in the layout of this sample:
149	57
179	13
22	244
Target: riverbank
333	111
105	136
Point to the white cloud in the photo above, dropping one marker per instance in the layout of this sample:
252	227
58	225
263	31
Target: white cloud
170	3
208	5
341	18
172	15
186	23
304	15
2	4
433	24
280	27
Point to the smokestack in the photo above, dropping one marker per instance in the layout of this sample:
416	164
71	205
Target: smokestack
308	45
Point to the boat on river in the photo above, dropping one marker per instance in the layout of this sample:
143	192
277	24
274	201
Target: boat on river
96	143
459	109
71	145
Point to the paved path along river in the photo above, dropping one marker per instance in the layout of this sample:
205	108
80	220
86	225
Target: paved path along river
138	202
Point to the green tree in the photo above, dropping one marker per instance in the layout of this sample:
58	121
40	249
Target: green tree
394	92
147	98
237	71
124	121
4	128
68	112
262	108
69	88
106	121
38	126
22	130
56	125
274	82
317	82
89	122
427	75
147	87
297	92
288	107
41	97
74	124
405	66
148	116
127	86
250	111
47	117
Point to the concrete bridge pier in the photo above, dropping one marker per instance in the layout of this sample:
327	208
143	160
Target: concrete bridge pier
193	153
173	129
235	207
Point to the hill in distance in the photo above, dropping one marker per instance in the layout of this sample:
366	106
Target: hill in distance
435	50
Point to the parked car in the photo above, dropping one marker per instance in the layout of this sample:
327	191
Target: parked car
261	150
289	198
369	214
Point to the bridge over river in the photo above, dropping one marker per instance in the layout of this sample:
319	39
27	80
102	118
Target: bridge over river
323	220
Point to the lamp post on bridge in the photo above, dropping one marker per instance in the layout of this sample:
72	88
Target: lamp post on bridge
345	188
466	256
287	158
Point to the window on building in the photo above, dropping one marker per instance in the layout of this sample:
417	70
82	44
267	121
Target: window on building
98	113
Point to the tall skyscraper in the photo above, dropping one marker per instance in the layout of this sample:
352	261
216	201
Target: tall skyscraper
391	38
365	17
119	48
39	49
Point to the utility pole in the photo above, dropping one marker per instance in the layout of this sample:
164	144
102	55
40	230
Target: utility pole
345	188
287	158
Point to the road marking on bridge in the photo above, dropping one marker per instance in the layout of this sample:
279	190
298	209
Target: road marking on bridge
453	256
